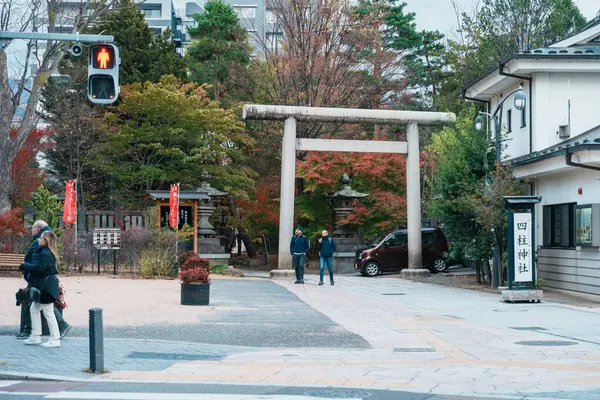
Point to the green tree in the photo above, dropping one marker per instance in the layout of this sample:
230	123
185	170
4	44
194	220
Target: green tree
46	207
168	132
220	52
471	210
145	56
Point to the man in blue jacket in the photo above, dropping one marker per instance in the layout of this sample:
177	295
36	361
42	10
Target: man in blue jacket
37	229
326	249
299	249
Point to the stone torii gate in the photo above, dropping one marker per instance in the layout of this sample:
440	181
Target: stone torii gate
290	144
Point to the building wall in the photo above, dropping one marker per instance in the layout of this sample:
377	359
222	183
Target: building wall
550	102
576	269
552	92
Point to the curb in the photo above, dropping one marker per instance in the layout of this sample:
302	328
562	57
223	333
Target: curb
25	376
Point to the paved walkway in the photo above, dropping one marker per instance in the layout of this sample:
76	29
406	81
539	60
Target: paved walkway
422	338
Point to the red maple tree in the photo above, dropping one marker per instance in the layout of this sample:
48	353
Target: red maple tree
26	174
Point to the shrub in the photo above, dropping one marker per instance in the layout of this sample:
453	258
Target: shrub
184	257
195	275
195	262
69	260
155	263
159	257
218	269
133	242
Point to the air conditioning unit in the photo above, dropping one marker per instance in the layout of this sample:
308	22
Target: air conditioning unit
564	131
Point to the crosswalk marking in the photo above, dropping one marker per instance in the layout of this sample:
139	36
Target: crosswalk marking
176	396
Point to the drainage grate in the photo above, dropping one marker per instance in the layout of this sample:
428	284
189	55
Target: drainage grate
414	350
546	343
175	356
393	294
510	310
338	393
528	328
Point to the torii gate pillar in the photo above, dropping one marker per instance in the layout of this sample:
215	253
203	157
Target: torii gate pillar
345	115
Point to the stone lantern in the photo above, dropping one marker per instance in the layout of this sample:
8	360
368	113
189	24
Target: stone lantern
343	203
205	206
346	237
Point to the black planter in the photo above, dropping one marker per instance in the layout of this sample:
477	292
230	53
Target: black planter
195	294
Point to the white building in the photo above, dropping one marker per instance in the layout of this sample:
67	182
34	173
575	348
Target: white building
555	143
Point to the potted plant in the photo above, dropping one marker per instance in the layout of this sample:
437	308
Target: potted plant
195	281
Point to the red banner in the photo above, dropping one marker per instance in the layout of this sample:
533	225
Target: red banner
70	206
174	206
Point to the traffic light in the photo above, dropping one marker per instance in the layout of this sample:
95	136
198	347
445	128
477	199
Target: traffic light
103	73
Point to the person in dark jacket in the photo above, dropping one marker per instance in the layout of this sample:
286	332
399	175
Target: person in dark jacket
37	229
326	249
42	273
299	249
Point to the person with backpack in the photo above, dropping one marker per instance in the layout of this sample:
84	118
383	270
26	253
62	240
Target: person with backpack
326	249
299	246
42	273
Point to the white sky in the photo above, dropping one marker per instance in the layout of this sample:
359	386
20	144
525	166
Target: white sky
439	14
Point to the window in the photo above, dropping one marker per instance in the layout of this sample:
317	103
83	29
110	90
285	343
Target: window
509	121
247	12
270	17
559	225
398	240
154	12
583	225
523	118
427	239
274	41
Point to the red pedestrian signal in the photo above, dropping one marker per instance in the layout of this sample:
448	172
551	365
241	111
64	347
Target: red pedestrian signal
103	73
103	57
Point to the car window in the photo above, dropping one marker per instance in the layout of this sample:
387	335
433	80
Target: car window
397	240
427	238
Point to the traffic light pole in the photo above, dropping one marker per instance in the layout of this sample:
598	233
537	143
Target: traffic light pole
64	37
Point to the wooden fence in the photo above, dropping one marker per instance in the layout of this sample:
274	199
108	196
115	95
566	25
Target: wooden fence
87	221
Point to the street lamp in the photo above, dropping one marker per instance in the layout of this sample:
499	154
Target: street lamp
520	101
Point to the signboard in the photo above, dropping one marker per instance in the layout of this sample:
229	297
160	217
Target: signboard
107	239
186	216
523	259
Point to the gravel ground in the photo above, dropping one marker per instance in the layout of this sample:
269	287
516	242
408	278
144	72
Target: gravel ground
242	312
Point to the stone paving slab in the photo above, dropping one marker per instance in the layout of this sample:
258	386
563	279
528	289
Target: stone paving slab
242	312
430	339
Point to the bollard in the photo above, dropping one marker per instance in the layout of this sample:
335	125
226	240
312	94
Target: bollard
96	341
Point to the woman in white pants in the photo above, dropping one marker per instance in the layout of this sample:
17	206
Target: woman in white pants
44	270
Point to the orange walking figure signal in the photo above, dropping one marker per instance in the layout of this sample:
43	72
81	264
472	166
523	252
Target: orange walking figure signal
103	58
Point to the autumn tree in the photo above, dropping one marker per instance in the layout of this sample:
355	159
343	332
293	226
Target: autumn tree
168	132
26	173
20	89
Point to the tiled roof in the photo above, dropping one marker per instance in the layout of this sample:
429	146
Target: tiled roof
562	51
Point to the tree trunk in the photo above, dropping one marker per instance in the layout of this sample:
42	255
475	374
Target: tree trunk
478	271
5	189
488	272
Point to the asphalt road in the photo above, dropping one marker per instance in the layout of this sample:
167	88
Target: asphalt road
162	391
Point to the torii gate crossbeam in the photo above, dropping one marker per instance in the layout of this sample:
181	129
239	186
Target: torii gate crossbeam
347	115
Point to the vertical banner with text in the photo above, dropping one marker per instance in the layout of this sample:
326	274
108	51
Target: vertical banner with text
70	206
174	206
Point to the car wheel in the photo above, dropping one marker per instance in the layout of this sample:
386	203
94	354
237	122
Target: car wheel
439	265
371	268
